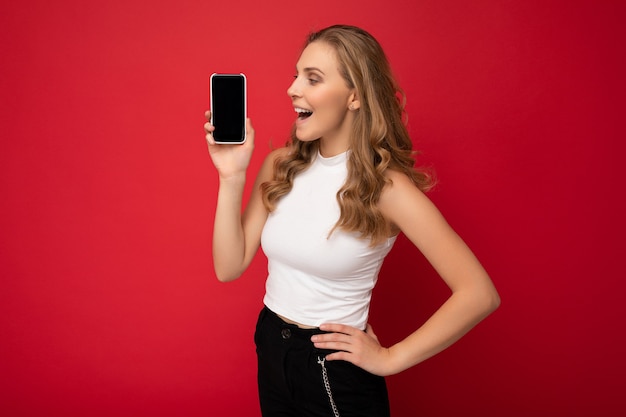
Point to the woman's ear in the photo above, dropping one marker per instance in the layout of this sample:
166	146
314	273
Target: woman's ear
354	102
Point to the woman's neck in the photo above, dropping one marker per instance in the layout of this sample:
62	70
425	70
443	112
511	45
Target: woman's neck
330	148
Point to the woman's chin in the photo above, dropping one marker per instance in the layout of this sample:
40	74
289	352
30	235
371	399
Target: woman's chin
303	137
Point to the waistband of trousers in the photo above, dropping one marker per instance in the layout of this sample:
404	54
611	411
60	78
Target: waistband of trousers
295	330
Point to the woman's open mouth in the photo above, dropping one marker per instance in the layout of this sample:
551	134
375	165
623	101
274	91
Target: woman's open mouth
303	113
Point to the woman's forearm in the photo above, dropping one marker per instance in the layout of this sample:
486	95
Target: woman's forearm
228	234
459	314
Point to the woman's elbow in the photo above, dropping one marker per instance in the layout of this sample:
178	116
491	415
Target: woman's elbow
226	276
484	300
492	300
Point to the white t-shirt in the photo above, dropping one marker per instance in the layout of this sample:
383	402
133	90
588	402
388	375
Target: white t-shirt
315	277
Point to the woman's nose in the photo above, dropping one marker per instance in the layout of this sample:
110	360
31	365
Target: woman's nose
293	90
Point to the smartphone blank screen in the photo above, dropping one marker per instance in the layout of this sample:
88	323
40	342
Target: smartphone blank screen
228	107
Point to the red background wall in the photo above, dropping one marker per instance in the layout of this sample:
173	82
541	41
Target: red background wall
108	302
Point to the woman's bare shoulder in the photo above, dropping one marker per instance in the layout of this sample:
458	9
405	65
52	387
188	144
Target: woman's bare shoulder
399	182
401	195
267	170
278	153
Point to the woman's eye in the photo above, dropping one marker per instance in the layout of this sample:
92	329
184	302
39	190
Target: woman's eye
312	81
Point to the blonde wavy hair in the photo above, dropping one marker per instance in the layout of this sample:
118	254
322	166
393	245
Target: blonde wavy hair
379	138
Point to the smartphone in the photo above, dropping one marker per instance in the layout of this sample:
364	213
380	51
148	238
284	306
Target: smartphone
228	108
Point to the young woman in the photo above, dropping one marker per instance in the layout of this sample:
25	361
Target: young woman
326	209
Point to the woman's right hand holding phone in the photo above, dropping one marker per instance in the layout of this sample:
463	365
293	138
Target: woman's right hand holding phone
230	160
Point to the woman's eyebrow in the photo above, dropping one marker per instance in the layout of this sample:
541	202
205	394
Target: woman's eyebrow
311	69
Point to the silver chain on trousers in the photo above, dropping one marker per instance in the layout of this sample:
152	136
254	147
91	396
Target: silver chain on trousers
321	361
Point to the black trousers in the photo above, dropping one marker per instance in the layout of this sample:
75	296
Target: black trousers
295	381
